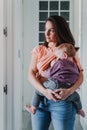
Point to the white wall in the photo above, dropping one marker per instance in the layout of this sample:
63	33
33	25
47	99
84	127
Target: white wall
84	61
77	21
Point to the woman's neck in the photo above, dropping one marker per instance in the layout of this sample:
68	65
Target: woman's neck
52	45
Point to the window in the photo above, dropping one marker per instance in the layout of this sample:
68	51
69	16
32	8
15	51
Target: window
52	7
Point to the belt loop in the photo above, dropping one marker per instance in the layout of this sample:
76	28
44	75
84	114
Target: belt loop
45	101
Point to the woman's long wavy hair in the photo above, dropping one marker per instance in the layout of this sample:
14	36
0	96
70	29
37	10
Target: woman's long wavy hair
62	29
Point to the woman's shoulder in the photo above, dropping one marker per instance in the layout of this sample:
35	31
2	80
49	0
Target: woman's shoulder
77	61
39	49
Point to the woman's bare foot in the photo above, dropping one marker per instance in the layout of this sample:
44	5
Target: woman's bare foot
30	109
81	112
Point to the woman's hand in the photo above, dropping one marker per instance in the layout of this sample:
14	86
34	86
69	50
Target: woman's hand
62	94
49	94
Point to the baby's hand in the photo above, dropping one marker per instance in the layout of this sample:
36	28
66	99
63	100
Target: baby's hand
50	95
38	76
62	93
52	62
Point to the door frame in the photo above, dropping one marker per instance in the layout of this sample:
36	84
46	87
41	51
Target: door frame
1	68
8	67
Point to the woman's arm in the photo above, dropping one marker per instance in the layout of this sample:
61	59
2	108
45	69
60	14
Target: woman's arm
77	84
64	93
35	81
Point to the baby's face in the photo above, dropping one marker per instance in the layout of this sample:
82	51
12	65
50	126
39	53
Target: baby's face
58	53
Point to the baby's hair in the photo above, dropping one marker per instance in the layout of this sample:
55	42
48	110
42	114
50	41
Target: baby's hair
69	49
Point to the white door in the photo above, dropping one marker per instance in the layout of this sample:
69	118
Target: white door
3	74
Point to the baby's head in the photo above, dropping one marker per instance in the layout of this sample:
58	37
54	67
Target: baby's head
65	50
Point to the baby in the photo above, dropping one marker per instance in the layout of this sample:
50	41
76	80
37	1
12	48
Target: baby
63	73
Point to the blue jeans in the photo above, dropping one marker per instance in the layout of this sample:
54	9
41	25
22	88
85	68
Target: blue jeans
61	113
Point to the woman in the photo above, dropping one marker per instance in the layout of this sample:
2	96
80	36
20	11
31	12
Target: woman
54	107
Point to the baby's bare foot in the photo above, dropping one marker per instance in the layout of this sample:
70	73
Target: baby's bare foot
30	109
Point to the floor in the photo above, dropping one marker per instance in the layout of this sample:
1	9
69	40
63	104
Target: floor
27	122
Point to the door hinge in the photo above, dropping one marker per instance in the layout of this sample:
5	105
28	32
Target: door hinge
5	88
5	31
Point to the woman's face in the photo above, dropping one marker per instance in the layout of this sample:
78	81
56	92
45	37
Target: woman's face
59	53
50	33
